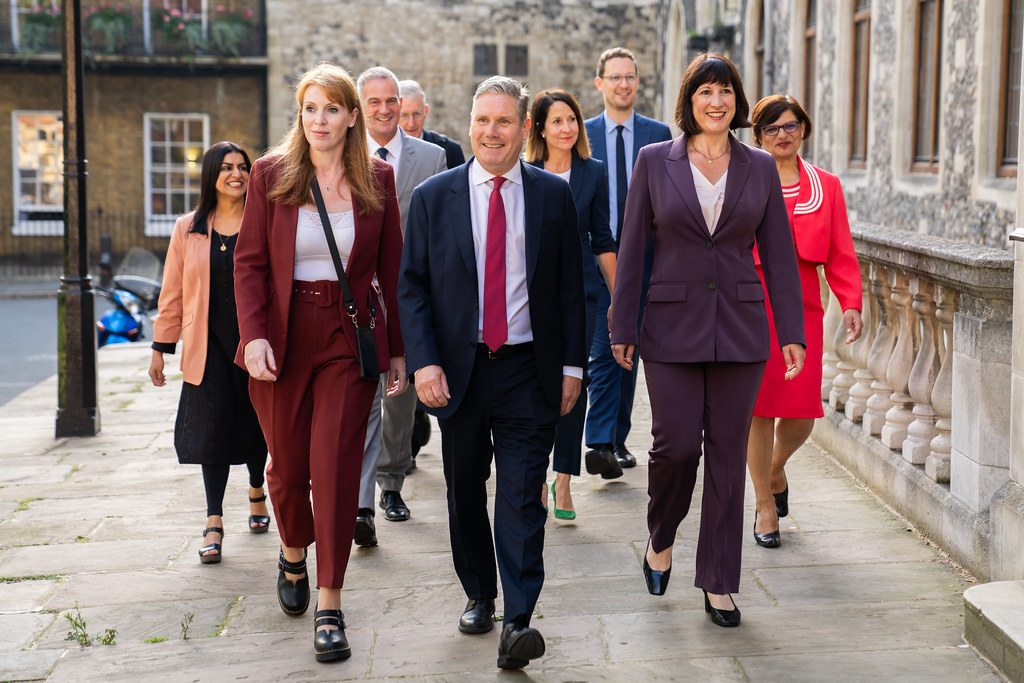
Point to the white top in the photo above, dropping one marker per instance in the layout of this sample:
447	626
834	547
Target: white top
711	196
517	298
312	255
564	176
394	148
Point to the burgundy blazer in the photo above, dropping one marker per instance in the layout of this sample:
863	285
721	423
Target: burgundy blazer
265	264
706	302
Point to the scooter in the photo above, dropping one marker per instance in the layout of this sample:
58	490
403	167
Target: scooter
123	322
134	298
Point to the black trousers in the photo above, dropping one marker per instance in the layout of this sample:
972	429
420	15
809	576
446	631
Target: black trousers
505	417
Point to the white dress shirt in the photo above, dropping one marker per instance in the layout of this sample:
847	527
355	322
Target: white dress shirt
394	148
710	195
517	298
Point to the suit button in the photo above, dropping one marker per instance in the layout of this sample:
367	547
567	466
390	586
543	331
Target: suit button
712	285
709	245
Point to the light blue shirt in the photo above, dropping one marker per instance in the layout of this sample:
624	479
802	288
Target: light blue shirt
611	140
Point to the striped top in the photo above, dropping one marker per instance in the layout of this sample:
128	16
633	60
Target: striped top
791	191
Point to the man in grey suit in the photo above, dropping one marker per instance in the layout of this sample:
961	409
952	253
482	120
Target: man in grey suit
388	451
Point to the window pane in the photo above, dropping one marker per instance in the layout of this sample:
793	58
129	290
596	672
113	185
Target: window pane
858	138
812	14
516	60
158	203
485	60
175	170
177	155
1011	130
39	160
862	5
810	80
158	155
925	120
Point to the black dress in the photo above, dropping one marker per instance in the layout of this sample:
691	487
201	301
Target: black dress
216	423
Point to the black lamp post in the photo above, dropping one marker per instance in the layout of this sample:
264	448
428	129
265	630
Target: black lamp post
77	411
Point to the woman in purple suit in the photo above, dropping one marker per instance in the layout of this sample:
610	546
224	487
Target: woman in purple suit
704	198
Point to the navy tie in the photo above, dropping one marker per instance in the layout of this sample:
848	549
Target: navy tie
620	181
382	153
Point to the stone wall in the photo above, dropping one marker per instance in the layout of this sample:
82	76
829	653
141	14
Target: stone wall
432	42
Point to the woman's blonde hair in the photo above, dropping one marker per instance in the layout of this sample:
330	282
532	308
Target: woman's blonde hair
296	172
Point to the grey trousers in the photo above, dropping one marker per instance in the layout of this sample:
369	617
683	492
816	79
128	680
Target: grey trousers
388	452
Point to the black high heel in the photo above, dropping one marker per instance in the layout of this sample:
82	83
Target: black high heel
657	581
773	539
722	617
330	645
261	522
782	502
211	559
293	597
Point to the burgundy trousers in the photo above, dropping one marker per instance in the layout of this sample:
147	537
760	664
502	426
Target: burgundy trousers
314	420
701	408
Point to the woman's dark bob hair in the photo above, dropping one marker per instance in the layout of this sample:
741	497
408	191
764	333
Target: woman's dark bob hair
710	67
770	108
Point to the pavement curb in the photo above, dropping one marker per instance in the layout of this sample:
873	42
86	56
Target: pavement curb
994	624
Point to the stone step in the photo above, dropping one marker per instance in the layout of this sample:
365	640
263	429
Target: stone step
994	624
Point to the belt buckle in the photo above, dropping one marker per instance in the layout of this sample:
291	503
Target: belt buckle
493	355
324	299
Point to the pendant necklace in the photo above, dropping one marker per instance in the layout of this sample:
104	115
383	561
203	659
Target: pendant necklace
710	159
223	244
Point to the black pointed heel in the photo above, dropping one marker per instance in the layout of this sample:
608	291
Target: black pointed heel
722	617
293	597
212	559
782	502
657	581
330	645
258	524
772	539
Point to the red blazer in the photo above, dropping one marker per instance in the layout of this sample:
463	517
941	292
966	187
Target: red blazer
265	265
706	302
821	233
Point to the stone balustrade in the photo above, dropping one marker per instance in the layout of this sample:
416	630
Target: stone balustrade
919	406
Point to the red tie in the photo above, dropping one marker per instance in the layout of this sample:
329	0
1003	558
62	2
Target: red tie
495	319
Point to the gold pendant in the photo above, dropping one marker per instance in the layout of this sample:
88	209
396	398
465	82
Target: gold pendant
710	161
223	247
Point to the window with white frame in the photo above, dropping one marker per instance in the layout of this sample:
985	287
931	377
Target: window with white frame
38	172
174	152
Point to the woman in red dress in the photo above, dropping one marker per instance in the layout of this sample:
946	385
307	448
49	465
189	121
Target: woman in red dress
785	410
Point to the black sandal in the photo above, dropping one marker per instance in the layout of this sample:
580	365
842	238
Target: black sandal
293	597
329	645
211	559
261	522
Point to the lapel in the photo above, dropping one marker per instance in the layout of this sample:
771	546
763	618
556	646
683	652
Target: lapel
533	204
461	221
575	175
405	168
739	169
677	167
641	134
597	142
282	248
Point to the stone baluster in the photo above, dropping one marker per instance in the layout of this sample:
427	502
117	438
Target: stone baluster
843	381
936	465
899	416
833	318
881	350
917	445
860	392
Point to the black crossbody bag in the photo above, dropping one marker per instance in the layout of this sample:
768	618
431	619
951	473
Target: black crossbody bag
366	347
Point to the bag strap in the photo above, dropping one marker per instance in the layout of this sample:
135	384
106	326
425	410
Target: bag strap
346	292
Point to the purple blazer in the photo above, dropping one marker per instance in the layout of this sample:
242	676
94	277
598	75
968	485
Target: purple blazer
705	302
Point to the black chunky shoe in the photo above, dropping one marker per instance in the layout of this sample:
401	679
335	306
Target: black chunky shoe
293	597
258	524
211	554
722	617
329	645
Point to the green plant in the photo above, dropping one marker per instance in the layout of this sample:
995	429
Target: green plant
230	29
112	25
80	634
40	28
186	624
179	28
154	639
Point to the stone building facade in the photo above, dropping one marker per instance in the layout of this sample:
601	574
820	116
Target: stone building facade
966	193
449	46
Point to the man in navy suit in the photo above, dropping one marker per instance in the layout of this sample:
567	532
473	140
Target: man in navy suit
616	136
414	116
491	303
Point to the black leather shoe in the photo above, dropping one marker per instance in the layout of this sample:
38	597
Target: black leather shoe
657	581
782	502
478	617
601	460
770	540
329	645
518	645
420	431
722	617
366	533
393	506
625	458
293	597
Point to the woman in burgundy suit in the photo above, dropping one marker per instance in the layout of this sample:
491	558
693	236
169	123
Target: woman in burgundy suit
298	343
704	198
821	232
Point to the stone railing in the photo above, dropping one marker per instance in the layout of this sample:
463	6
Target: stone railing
919	406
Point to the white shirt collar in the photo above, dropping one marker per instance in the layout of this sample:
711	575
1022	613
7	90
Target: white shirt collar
394	146
478	175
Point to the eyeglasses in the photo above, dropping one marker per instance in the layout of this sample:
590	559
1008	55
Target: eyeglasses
772	131
615	79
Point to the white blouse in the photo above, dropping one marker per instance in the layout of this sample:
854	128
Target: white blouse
312	255
711	196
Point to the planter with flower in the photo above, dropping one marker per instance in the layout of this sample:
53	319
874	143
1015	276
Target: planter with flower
179	29
40	29
230	30
107	28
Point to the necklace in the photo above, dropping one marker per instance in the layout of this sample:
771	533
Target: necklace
223	244
213	221
710	159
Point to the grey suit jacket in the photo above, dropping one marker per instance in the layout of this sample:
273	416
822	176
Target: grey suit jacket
419	161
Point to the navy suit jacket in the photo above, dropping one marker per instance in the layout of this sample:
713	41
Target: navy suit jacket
588	180
453	150
437	290
645	132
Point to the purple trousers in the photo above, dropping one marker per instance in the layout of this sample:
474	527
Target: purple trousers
701	408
